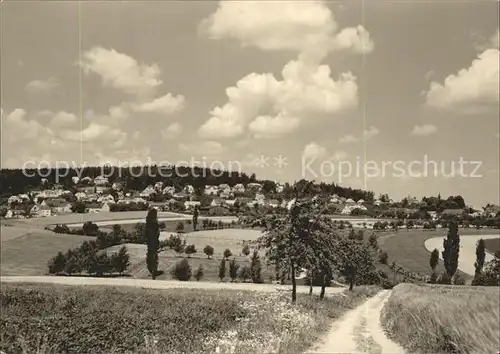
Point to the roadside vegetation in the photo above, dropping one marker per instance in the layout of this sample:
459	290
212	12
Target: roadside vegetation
444	319
74	319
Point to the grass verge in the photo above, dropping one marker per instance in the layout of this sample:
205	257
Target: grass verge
81	319
492	245
450	319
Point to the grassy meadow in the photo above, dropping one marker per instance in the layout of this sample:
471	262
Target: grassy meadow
77	319
449	319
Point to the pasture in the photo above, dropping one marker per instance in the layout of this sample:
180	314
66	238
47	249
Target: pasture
444	319
26	251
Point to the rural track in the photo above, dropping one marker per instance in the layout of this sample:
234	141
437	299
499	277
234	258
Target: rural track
360	331
159	284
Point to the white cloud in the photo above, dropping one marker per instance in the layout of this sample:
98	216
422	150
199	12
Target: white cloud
121	71
313	151
495	39
97	132
42	86
305	90
305	27
204	148
116	116
346	139
17	127
62	119
424	130
172	131
272	127
166	104
470	90
371	132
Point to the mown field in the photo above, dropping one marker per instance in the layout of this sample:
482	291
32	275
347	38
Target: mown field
84	319
444	319
26	251
407	248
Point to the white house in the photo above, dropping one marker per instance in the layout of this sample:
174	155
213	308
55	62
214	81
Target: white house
217	202
168	190
377	202
360	202
106	199
75	180
290	204
147	191
260	196
86	180
44	211
280	188
14	199
101	181
254	186
230	202
191	204
106	206
239	188
211	190
117	186
57	206
189	189
350	202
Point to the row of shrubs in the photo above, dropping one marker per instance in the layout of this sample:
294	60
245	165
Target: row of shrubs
182	270
89	259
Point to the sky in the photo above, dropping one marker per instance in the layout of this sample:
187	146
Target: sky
362	93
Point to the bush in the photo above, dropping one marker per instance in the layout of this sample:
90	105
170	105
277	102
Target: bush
209	251
233	269
222	269
383	257
182	270
246	250
120	260
199	273
227	253
61	229
190	249
444	279
244	273
90	229
180	227
434	278
458	280
57	263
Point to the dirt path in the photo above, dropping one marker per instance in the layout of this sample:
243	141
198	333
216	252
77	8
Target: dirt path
360	331
158	284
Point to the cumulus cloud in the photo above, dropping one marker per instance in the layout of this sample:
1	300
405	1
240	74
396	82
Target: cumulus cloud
172	131
140	80
470	90
263	103
302	26
121	71
42	86
424	130
313	151
26	139
261	100
346	139
204	148
371	132
166	104
115	116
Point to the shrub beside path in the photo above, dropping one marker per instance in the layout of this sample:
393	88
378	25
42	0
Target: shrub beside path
360	331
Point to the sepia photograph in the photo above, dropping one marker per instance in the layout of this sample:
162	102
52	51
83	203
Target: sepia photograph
248	177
